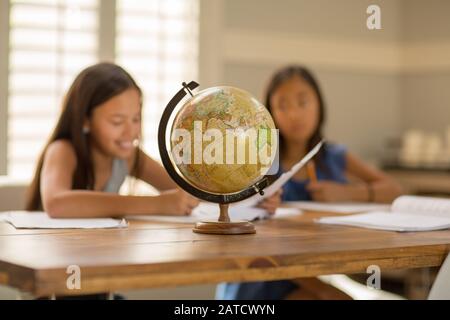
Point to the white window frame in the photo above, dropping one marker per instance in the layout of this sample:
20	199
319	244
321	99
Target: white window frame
106	52
4	78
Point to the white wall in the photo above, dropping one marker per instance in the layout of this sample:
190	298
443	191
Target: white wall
426	94
375	82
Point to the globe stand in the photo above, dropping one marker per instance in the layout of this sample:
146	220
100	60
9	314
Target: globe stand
224	225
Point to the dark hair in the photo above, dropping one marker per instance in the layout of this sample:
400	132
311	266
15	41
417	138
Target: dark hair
91	88
303	73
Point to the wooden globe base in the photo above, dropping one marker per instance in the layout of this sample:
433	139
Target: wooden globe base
224	225
217	227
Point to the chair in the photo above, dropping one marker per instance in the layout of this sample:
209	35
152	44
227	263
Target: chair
441	286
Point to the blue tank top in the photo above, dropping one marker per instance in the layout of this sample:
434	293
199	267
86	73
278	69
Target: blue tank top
334	160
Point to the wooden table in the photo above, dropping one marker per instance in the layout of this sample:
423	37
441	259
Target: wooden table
151	254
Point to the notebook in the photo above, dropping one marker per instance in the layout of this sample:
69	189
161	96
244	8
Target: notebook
40	220
3	216
407	213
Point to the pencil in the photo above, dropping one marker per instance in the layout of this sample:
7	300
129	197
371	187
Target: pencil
311	170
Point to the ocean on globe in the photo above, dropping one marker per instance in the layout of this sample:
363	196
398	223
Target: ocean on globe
223	140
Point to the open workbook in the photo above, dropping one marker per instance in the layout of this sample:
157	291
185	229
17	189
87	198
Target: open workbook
408	213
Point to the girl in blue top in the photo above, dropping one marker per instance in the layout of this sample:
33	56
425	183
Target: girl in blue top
297	106
294	99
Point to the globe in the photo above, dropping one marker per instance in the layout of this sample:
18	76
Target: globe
220	145
231	121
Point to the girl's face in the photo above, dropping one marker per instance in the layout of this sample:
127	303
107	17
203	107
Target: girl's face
116	124
295	109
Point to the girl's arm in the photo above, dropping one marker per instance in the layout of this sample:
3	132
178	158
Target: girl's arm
92	204
151	172
59	201
376	186
384	188
272	203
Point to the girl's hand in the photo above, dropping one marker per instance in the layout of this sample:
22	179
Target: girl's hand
327	191
272	203
177	202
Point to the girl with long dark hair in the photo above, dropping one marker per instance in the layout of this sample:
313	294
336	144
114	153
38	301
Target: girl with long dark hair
94	147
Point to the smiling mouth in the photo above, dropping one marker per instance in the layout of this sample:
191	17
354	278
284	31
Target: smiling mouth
126	145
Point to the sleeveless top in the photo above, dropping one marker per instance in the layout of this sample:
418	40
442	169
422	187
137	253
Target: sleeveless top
119	172
334	160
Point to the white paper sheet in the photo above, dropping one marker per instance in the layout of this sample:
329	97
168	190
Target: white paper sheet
338	207
40	220
285	177
206	211
211	211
